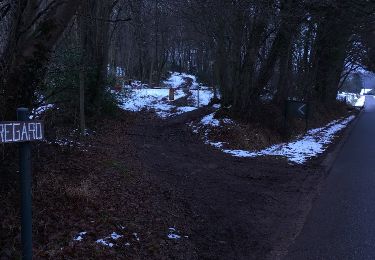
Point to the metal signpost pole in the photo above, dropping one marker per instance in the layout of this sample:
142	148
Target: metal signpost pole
25	174
24	131
307	117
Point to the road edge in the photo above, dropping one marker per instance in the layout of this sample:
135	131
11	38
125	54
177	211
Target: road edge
331	157
327	165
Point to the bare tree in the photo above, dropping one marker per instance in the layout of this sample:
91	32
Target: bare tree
36	26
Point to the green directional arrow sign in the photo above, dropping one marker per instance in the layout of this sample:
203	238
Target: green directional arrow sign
297	109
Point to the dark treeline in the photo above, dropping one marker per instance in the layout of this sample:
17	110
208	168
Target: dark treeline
248	50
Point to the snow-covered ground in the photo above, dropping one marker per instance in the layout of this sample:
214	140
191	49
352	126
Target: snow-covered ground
106	241
176	80
299	151
173	234
37	112
365	91
356	100
157	99
312	144
112	240
80	236
360	101
150	99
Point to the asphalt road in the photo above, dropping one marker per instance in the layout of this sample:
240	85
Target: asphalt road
341	224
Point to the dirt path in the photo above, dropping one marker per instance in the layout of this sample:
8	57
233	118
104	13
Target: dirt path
240	208
142	175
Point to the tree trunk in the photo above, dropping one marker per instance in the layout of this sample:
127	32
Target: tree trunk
283	86
82	102
331	50
32	48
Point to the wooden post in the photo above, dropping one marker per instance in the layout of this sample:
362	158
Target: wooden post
171	94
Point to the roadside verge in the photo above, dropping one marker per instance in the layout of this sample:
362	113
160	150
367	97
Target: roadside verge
305	201
331	157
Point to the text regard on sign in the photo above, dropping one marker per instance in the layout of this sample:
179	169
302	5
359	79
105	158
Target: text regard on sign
12	132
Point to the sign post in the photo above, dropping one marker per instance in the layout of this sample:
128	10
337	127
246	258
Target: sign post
297	109
25	174
23	132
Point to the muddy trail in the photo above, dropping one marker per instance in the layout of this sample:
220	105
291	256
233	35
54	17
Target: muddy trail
142	175
238	208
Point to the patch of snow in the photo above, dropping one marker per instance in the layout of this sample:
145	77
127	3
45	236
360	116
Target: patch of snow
104	242
360	102
209	120
115	236
186	109
216	144
309	146
40	110
240	153
154	99
205	96
64	142
352	98
172	234
136	236
365	91
120	72
80	236
176	80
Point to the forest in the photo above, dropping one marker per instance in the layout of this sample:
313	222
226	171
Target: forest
245	50
176	129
